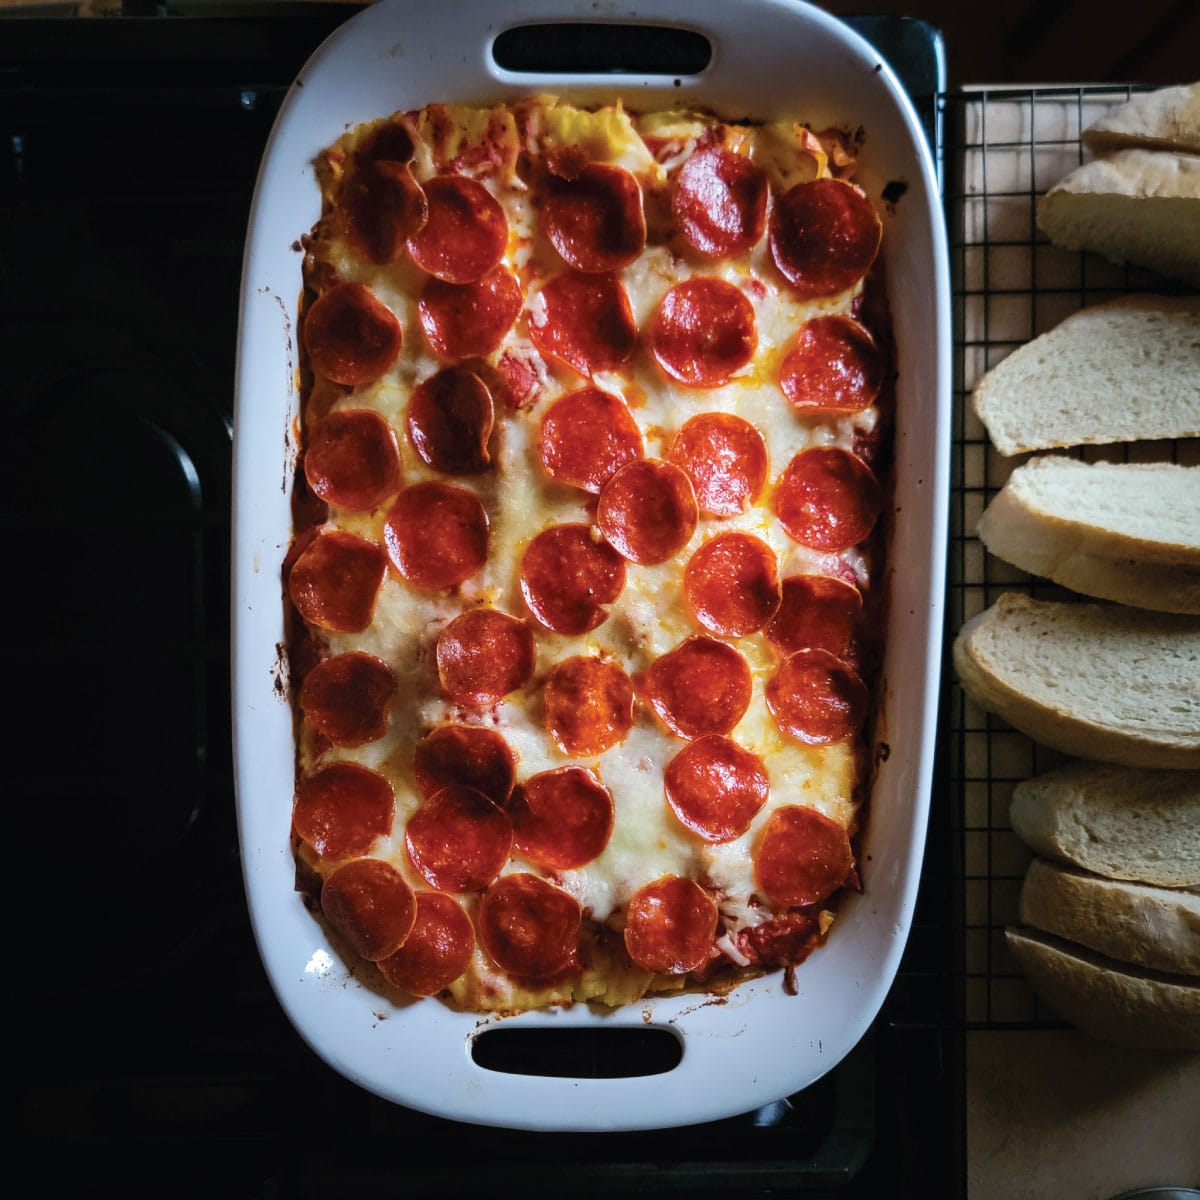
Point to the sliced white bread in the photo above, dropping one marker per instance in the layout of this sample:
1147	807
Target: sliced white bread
1128	532
1167	119
1116	1002
1123	371
1131	922
1135	206
1130	824
1094	681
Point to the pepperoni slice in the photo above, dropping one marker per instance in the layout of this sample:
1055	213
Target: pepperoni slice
352	460
818	613
833	367
389	140
647	511
466	232
732	584
587	436
702	686
529	927
703	332
469	320
588	705
382	206
561	819
459	840
823	236
670	926
335	582
726	460
715	787
465	756
567	577
816	698
720	202
595	220
828	499
450	418
369	903
436	952
341	810
482	655
436	535
584	321
352	337
802	858
346	698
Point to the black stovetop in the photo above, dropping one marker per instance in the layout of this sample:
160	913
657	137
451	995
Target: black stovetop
150	1051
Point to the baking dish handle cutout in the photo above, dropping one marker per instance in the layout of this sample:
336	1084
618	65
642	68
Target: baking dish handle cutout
594	48
578	1052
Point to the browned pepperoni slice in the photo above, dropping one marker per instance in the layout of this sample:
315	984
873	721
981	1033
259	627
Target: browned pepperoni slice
715	787
588	705
469	320
466	233
833	367
670	926
585	321
450	419
726	460
720	202
647	511
458	839
346	698
352	460
702	686
465	756
529	927
703	332
732	584
802	858
436	535
595	220
335	582
382	206
482	655
828	499
369	903
816	698
567	577
352	337
389	140
823	236
817	613
341	809
561	819
436	952
587	436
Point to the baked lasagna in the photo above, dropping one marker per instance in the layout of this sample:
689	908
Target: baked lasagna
585	591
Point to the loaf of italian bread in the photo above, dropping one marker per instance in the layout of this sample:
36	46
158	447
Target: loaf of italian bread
1116	1002
1120	822
1166	119
1127	532
1094	681
1153	927
1122	371
1135	206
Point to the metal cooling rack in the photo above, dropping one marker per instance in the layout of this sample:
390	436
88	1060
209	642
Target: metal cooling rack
1005	147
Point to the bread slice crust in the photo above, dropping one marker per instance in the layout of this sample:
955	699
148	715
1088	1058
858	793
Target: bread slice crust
1115	1002
1120	822
1126	370
1132	922
1166	119
1094	681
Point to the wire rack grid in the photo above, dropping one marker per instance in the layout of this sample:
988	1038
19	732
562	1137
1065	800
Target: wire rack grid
1006	147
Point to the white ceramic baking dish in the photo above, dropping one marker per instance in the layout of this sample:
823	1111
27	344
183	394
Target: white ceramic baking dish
770	58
